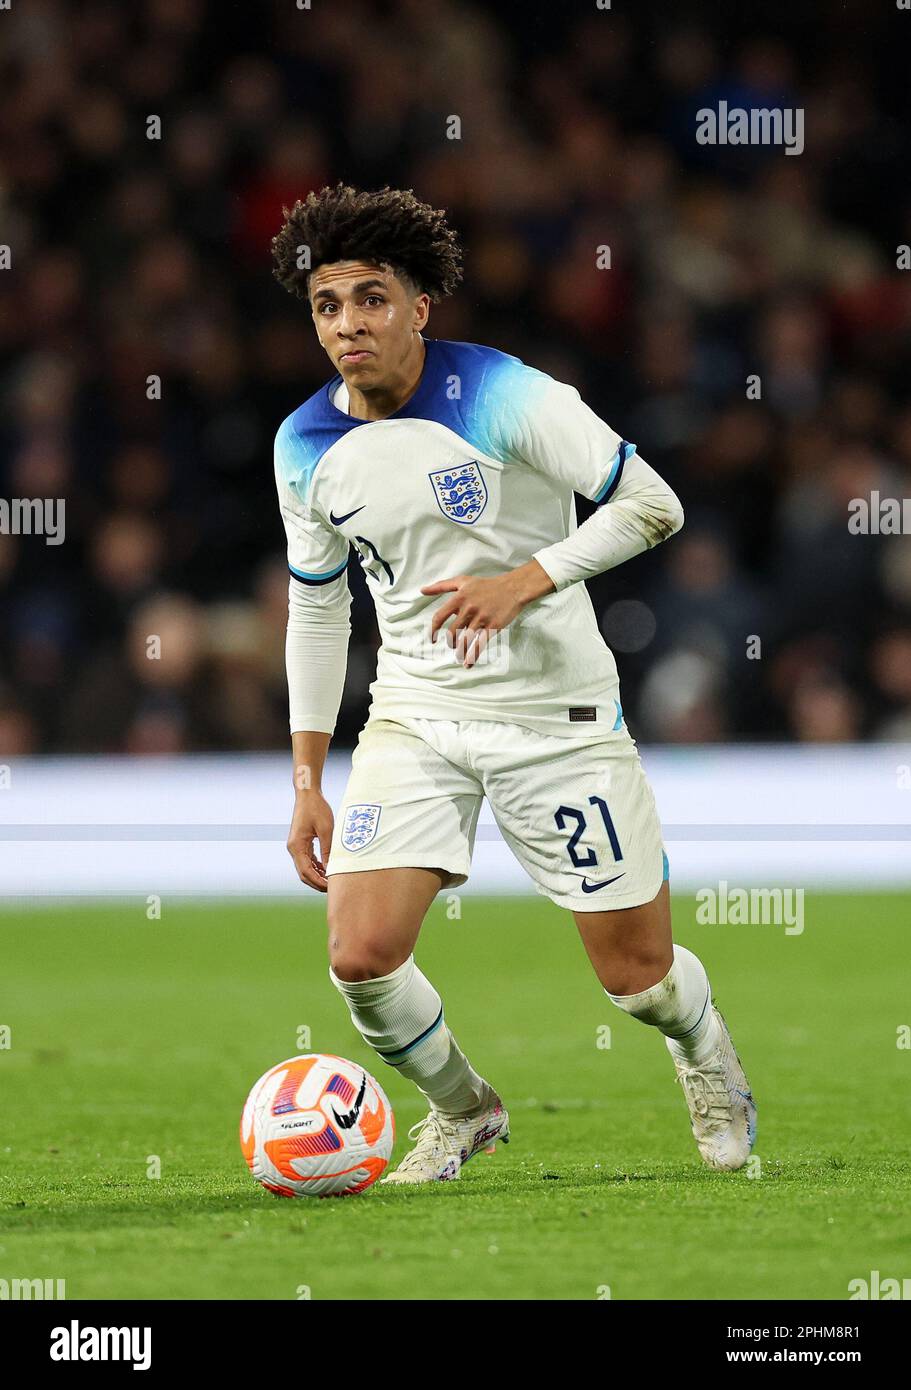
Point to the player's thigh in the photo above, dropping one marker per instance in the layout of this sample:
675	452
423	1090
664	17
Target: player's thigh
375	918
405	829
406	805
582	820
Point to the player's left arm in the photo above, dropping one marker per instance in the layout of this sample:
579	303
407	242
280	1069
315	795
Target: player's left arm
557	433
636	511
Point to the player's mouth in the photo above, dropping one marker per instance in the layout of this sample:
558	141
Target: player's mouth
358	355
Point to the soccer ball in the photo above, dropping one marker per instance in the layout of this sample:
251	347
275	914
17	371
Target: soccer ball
317	1126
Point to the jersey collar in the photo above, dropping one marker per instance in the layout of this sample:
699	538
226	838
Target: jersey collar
412	407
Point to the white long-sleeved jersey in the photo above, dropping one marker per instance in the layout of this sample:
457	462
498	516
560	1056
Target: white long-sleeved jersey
475	474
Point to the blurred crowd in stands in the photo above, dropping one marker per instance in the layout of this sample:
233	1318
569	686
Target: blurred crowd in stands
735	273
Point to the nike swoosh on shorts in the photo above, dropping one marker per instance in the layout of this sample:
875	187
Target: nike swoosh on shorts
593	887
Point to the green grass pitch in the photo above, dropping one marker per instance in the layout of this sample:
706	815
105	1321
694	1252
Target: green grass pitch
132	1038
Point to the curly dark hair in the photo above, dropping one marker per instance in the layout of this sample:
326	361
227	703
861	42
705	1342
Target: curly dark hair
390	227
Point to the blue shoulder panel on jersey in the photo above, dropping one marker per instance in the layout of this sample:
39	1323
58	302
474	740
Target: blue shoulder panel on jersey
477	392
304	437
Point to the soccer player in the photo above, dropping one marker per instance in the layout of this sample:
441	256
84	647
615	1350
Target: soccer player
449	468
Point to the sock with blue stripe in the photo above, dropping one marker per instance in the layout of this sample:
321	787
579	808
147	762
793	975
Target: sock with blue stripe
401	1017
680	1006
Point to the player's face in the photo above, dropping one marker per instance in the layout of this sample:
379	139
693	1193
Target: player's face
366	319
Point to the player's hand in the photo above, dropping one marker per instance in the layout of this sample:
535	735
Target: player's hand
312	820
482	605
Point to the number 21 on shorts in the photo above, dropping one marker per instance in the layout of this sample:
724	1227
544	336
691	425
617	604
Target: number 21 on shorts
565	815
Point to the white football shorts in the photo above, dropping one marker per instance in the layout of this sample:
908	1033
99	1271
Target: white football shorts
580	818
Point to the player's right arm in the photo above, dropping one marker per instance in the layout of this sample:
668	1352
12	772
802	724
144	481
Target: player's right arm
312	818
316	652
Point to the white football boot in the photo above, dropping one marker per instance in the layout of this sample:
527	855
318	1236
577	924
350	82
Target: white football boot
444	1144
722	1109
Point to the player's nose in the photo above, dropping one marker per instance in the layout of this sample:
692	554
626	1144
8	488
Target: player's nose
349	321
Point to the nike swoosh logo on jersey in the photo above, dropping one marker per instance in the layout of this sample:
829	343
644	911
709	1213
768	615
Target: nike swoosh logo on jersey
593	887
337	520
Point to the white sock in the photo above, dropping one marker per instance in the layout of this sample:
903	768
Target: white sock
401	1017
680	1006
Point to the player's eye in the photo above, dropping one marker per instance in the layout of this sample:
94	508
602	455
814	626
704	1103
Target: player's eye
377	298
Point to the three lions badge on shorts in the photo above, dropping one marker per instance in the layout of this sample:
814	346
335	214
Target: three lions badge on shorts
359	826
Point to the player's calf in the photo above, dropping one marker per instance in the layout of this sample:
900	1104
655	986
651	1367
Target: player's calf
400	1015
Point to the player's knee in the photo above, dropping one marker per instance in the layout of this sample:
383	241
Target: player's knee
364	957
352	967
635	970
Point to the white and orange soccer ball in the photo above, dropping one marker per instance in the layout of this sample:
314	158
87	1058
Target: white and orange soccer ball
317	1126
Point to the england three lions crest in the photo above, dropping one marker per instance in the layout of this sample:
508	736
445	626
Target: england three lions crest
359	826
461	492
